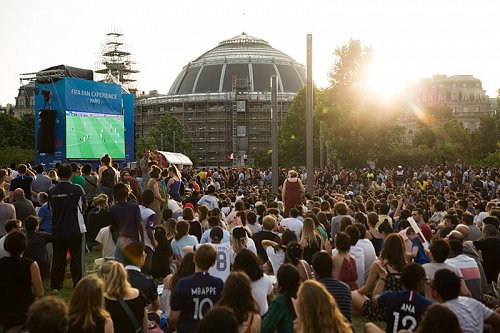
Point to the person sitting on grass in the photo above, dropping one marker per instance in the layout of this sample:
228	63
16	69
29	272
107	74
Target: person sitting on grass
404	308
472	315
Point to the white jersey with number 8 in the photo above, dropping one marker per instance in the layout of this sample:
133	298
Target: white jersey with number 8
222	266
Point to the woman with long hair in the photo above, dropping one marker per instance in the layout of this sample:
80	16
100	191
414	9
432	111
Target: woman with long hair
277	252
86	308
98	217
237	295
292	191
294	256
174	183
194	225
162	260
107	177
203	217
154	185
182	238
310	240
324	316
389	266
240	241
186	268
343	262
281	314
249	263
118	289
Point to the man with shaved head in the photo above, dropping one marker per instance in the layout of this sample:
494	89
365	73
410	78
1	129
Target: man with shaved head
23	206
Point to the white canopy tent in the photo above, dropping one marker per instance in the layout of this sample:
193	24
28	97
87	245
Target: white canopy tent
178	159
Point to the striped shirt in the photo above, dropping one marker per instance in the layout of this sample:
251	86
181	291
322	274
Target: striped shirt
470	271
342	294
279	317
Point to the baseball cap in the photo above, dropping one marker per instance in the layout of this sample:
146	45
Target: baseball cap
216	234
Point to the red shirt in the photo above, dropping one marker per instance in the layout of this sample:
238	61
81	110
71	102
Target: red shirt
426	230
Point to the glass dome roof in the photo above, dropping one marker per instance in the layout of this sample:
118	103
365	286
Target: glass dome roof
240	57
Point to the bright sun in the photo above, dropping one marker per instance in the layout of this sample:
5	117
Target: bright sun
383	79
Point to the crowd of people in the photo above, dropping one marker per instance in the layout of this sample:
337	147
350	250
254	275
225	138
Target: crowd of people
215	250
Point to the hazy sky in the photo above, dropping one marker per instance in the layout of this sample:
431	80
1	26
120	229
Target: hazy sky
411	39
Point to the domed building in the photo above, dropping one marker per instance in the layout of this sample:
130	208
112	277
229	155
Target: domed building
223	100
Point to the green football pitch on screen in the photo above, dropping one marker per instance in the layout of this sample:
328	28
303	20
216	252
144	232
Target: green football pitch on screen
92	136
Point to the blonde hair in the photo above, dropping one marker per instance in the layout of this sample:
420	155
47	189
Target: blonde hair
309	234
325	316
293	174
116	280
100	201
87	302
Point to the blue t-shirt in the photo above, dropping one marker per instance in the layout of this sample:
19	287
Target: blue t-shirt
125	216
194	296
404	309
46	215
178	244
421	258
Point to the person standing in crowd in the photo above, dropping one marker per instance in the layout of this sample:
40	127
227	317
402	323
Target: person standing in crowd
324	316
77	178
126	305
148	220
18	276
23	181
323	272
24	207
67	202
90	178
86	308
196	294
106	177
7	212
40	183
154	185
144	165
125	221
174	183
292	191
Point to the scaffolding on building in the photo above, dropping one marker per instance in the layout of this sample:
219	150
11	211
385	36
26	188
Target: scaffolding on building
116	62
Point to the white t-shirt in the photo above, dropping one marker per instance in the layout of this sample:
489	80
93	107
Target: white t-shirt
105	238
359	256
471	314
148	217
276	258
251	245
260	290
3	253
222	266
370	255
293	224
432	267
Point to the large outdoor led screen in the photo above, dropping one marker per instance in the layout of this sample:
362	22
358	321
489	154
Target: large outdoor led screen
91	135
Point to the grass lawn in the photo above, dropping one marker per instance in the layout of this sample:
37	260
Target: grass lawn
65	293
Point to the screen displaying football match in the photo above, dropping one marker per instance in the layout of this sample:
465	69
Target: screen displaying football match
91	135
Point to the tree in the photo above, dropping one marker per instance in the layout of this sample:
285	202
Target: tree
168	135
292	135
359	128
487	137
